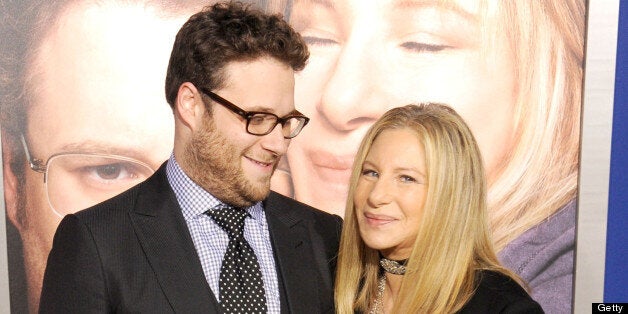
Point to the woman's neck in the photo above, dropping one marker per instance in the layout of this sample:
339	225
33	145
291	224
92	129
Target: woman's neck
393	284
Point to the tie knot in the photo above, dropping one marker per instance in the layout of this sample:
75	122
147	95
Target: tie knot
230	219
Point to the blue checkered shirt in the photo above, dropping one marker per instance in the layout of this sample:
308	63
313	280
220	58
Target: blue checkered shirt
211	241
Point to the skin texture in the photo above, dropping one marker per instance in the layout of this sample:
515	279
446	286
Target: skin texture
390	194
84	92
239	174
370	56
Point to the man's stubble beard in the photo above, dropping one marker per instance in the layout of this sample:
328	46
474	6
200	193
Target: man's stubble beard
214	164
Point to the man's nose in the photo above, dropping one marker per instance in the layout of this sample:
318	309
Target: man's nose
275	141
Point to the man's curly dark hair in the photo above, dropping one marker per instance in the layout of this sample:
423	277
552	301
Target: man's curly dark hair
227	32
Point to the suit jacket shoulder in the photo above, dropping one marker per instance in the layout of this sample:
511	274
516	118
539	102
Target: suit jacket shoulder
305	242
289	211
131	253
498	293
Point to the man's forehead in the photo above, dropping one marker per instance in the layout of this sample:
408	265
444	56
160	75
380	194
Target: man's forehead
161	8
262	84
100	74
97	30
111	53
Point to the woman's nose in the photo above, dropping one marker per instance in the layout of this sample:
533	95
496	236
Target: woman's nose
351	97
380	194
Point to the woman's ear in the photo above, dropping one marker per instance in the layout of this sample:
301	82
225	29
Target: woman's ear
189	106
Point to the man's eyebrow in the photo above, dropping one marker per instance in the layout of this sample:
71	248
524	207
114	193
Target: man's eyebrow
93	147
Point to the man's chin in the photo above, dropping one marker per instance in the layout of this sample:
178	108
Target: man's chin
258	195
250	195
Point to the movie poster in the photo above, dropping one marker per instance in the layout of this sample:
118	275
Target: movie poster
84	115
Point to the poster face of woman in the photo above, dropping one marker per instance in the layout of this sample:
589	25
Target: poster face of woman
368	57
509	68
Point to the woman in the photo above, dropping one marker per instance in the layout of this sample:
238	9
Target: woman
512	69
415	237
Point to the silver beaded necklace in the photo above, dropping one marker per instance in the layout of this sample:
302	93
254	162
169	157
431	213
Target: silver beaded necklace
378	304
389	266
392	266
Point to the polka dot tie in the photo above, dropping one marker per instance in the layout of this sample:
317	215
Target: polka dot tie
241	286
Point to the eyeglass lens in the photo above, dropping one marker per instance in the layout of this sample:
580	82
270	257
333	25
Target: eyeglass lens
261	124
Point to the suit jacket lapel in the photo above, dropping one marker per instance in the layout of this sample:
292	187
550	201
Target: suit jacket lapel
165	238
289	234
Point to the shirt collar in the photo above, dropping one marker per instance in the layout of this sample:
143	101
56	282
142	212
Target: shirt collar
193	199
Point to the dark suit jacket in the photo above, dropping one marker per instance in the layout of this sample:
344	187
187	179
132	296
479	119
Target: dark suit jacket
497	293
134	254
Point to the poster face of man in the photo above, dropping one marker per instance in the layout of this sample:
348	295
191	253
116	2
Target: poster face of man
96	89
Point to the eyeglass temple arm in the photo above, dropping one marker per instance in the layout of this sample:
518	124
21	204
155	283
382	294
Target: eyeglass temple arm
34	163
215	97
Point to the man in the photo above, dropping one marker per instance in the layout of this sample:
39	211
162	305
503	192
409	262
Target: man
168	244
78	80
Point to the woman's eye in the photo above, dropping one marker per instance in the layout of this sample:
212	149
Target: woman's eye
318	41
370	173
423	47
405	178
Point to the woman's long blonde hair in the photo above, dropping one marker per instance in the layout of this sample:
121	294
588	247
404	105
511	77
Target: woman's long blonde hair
539	176
453	240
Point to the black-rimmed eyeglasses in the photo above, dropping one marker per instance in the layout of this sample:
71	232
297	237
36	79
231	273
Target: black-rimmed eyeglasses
262	123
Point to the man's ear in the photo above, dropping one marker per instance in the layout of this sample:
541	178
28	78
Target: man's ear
10	179
189	106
